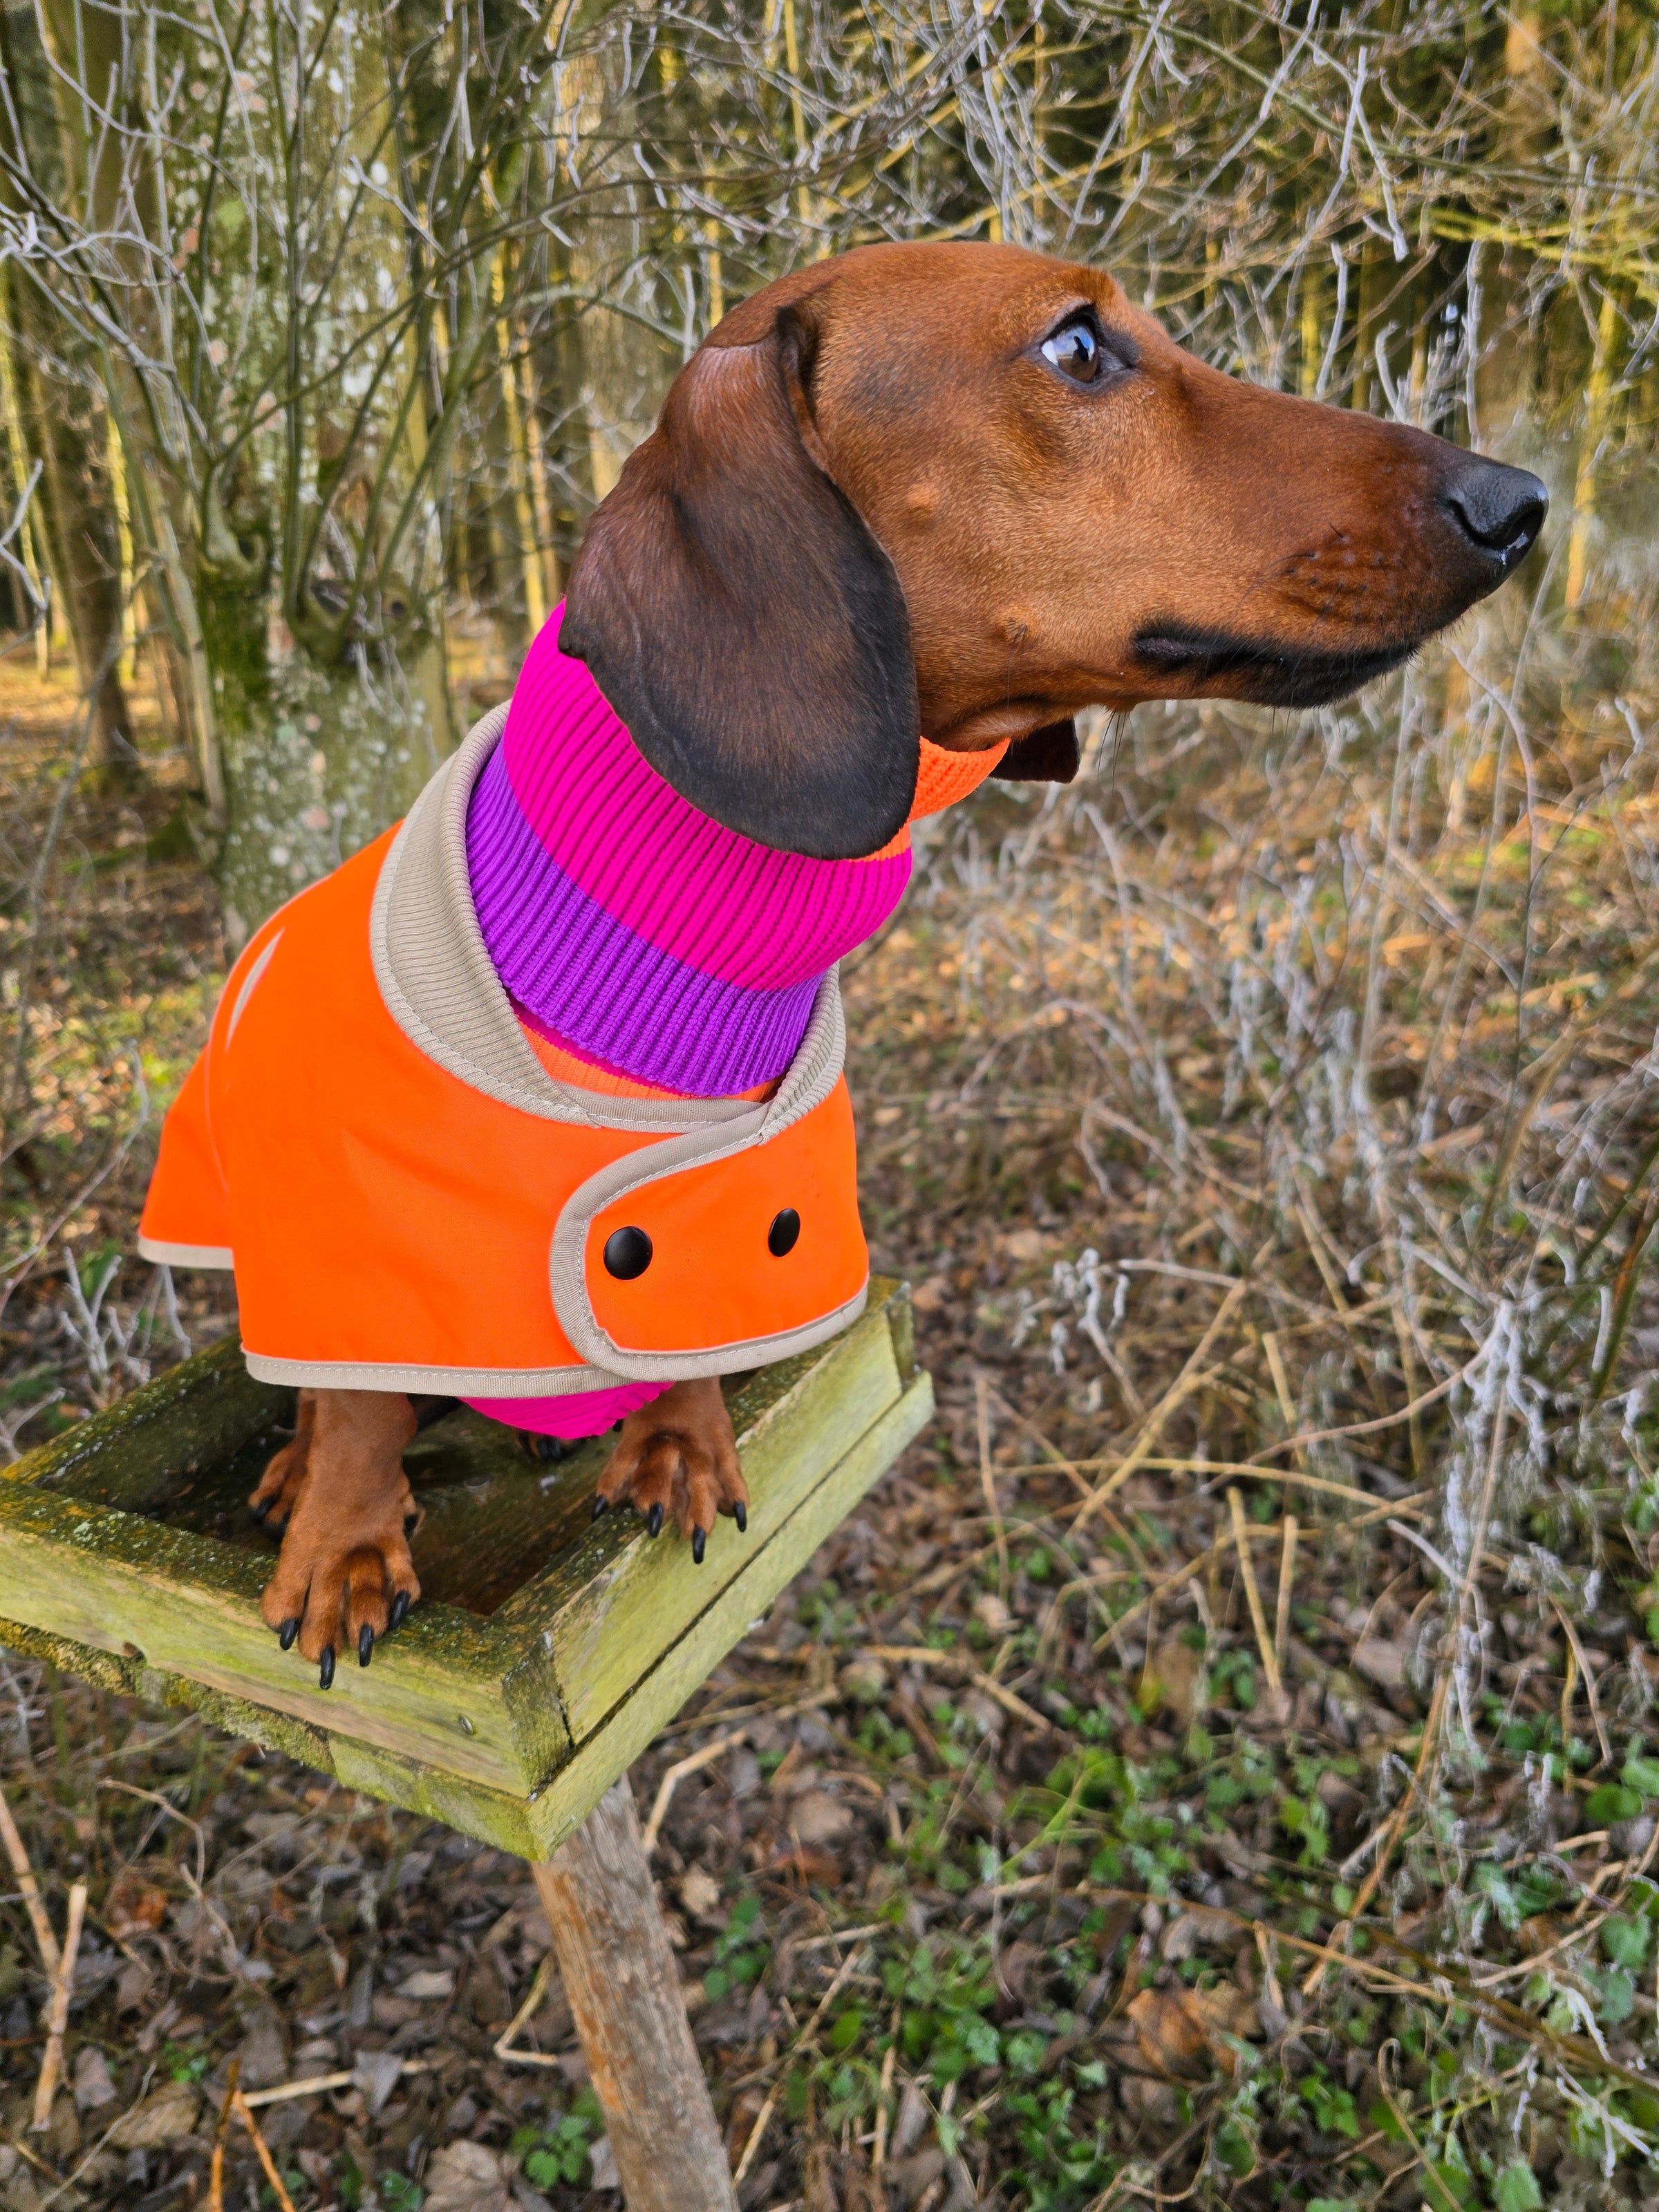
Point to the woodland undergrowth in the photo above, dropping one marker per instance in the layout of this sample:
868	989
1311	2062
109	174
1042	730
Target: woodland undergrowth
1220	1763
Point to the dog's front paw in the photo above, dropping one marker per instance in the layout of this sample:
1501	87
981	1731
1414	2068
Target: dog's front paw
344	1575
678	1455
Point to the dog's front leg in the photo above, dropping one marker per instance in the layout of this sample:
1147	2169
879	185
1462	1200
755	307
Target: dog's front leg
345	1575
679	1454
278	1489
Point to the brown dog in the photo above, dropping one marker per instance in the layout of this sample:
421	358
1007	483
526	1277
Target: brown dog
958	489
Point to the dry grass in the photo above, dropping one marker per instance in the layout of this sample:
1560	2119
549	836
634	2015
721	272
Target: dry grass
1267	1125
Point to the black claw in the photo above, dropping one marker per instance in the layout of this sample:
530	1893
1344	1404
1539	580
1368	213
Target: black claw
399	1612
740	1515
699	1544
601	1507
653	1521
325	1671
286	1634
264	1507
365	1644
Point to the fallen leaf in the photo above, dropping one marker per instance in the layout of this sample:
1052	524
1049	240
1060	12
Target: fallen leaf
602	2162
810	1864
815	1817
167	2116
1381	1661
1173	1681
1168	2039
700	1893
1014	1963
1178	2031
1152	2102
92	2086
465	2177
992	1614
133	1906
908	2179
134	1985
429	1982
377	2074
1196	1928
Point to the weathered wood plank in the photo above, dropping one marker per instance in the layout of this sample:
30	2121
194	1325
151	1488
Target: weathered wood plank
534	1828
271	1731
189	1606
595	1764
460	1717
494	1515
485	1537
609	1606
494	1816
133	1454
105	1669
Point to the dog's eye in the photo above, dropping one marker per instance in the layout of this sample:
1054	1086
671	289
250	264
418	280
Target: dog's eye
1074	349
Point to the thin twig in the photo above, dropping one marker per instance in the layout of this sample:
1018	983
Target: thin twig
1184	1384
677	1774
1253	1591
216	2167
982	1424
262	2151
44	1942
318	2085
1369	1887
763	2117
1286	1583
923	1655
504	2045
51	2065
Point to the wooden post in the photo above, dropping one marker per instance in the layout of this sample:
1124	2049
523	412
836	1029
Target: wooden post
624	1995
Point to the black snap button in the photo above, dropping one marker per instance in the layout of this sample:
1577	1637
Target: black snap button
627	1254
780	1237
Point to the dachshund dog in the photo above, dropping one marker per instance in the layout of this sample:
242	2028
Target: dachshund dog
956	489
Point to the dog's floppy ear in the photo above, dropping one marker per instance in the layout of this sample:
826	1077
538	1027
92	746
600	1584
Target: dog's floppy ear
739	616
1050	755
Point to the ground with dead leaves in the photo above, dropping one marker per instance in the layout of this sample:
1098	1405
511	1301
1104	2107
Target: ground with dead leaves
1219	1764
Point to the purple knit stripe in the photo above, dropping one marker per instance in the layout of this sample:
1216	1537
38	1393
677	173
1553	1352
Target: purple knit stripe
617	998
622	834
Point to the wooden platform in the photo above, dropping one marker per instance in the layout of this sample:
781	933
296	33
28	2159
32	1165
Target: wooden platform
547	1650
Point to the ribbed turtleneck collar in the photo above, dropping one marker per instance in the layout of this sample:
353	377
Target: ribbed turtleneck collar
633	932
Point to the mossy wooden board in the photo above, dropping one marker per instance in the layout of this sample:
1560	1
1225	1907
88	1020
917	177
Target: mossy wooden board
547	1650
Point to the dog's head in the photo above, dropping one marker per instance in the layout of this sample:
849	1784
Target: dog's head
965	490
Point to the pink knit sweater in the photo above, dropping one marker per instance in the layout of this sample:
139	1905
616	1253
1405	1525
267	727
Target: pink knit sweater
647	949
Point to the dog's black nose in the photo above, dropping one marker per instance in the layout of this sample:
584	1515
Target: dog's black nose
1501	508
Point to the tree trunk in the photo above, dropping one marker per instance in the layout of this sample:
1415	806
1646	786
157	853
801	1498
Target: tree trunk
1523	119
67	431
60	388
317	760
1598	409
507	550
